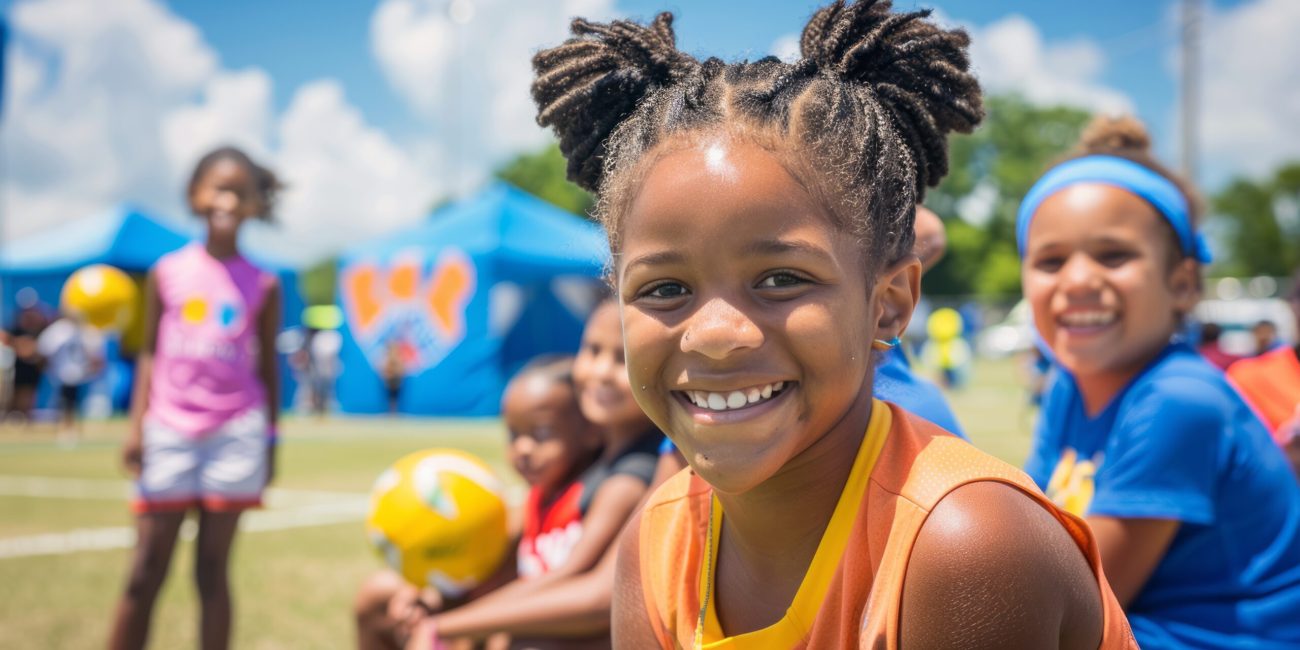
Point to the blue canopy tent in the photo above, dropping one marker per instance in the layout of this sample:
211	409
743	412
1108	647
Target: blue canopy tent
454	306
125	237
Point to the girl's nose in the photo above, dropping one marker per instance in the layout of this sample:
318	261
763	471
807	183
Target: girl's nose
226	201
1080	273
719	329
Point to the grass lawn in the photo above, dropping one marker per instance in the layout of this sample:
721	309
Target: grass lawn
293	586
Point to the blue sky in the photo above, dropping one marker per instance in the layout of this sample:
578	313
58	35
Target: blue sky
380	108
300	40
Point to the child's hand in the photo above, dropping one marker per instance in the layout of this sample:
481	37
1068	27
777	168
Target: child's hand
133	455
411	605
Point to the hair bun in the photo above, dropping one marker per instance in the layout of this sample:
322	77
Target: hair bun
589	84
917	70
1115	134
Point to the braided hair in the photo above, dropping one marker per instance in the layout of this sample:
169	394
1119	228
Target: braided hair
265	181
861	118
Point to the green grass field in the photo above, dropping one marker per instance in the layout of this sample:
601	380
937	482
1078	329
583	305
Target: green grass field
64	524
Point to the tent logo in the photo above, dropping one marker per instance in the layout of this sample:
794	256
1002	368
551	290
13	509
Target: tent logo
407	306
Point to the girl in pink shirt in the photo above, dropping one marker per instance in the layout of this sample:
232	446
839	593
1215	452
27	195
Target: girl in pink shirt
204	407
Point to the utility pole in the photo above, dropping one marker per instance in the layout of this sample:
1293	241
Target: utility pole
1191	86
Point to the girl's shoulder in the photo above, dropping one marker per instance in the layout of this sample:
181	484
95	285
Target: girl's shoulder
1182	380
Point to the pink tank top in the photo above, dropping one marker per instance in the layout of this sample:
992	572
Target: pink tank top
205	358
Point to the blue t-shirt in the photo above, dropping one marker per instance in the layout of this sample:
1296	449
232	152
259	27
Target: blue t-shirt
1179	443
896	383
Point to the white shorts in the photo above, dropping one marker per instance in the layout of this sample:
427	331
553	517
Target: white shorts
221	471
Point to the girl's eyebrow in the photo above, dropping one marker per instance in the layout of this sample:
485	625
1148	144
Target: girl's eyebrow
759	247
786	246
655	259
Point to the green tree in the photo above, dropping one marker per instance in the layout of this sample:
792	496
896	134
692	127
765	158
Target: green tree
541	173
1261	224
1000	161
317	282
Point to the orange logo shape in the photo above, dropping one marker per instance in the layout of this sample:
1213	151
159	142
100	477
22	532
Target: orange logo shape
360	292
448	292
421	312
404	279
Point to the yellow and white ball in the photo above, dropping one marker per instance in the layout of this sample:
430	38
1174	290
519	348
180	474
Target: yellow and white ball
102	295
438	518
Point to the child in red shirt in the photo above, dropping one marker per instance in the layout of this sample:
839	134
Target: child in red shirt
551	446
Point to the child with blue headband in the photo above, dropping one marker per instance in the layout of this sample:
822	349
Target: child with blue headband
1194	508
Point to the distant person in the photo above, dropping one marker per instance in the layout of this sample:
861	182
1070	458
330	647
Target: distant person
1265	335
74	353
393	373
1195	511
206	399
552	446
28	364
1210	348
1271	385
320	352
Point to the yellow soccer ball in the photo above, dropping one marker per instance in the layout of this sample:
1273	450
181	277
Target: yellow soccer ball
438	518
102	295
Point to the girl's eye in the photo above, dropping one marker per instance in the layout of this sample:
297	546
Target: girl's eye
665	291
1114	258
1050	264
780	279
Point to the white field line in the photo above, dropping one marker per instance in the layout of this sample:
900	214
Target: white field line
288	509
115	490
100	539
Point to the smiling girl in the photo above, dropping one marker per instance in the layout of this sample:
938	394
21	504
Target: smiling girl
761	220
204	409
1194	509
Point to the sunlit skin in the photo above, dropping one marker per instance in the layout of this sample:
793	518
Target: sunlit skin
1105	292
224	196
732	276
550	441
1106	254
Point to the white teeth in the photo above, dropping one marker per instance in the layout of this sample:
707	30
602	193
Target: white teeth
1088	318
734	399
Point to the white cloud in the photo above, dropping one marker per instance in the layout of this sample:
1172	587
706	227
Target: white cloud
469	78
115	102
1251	92
786	48
236	110
1010	55
345	179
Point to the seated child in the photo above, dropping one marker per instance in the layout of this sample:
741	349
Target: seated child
541	612
551	446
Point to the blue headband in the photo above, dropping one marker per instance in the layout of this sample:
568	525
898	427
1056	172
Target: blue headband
1157	190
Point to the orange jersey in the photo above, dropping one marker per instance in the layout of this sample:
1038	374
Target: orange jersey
1270	383
852	594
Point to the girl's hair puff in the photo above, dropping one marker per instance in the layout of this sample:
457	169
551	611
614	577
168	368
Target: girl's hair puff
1124	136
861	119
268	185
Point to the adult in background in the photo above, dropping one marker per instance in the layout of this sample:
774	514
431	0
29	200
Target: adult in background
28	364
1271	385
74	353
1210	348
